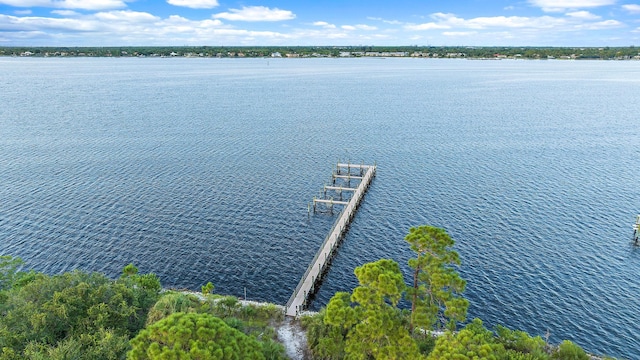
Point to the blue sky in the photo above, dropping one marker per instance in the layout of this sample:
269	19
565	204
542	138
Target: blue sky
328	22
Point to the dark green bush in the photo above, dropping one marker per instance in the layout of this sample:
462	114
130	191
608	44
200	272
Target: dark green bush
569	351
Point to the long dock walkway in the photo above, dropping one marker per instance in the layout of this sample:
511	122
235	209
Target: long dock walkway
306	286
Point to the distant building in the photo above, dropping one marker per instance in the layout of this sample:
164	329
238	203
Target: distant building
276	55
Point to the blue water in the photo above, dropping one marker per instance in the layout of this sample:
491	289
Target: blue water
201	170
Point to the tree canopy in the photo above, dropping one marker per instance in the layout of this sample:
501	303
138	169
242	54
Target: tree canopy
85	314
471	343
437	286
193	336
373	326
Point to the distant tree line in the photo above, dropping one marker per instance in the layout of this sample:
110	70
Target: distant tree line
599	53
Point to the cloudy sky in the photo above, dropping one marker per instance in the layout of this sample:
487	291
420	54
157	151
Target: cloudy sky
325	22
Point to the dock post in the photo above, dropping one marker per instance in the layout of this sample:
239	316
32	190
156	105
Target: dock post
636	232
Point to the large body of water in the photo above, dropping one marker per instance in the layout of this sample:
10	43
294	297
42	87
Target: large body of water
201	170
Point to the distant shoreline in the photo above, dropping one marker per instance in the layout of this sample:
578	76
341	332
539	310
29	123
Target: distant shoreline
431	52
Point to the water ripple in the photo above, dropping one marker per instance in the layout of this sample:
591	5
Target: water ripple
202	170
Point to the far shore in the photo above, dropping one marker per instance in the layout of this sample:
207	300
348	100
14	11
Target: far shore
294	52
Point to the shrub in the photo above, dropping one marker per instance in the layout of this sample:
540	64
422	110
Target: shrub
200	336
569	351
521	342
171	303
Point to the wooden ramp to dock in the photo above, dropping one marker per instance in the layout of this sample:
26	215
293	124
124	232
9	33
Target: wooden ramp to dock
306	287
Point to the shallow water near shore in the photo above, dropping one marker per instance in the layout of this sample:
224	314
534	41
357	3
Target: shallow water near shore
201	170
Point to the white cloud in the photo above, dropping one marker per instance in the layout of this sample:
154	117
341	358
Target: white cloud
22	12
130	27
562	5
583	15
126	16
510	7
112	27
324	24
68	4
256	13
359	27
90	4
451	21
65	12
607	24
194	4
632	8
514	28
27	3
459	33
33	23
390	22
427	26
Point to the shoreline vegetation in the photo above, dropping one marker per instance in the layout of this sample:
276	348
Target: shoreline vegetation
447	52
79	315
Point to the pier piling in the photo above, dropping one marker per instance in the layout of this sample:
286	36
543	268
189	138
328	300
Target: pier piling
636	232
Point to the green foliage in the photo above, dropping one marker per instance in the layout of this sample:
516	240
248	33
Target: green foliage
516	341
207	289
373	326
145	290
104	345
567	350
129	270
170	303
425	344
235	323
198	336
272	350
252	320
437	286
8	271
325	341
261	51
46	316
472	342
227	306
268	312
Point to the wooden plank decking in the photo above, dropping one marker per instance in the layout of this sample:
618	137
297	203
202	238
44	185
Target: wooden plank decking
305	288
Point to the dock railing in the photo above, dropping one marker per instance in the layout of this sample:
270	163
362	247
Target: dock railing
312	263
307	283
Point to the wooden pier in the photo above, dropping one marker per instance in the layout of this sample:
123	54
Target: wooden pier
306	287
